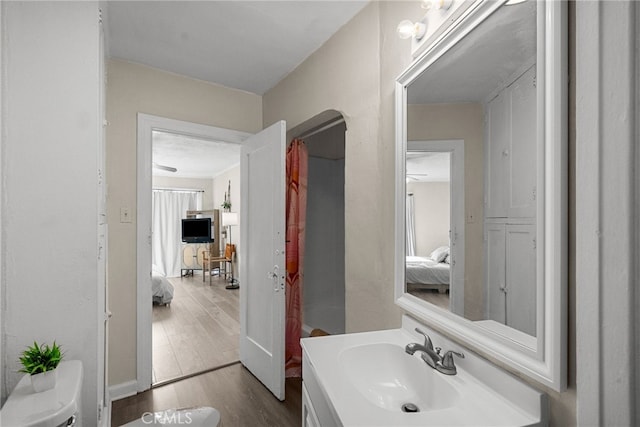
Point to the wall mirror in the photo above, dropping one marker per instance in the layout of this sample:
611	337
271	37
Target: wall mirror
481	187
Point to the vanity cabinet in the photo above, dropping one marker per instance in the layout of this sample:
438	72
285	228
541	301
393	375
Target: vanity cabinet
510	147
317	410
510	274
309	417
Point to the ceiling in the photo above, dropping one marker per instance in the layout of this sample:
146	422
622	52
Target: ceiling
428	166
245	45
481	62
192	157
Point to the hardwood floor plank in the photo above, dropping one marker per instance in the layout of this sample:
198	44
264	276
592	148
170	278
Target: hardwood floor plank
239	397
201	326
165	364
198	331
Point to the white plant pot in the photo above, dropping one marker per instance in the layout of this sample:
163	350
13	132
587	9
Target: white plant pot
44	381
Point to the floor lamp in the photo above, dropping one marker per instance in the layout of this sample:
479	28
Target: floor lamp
230	219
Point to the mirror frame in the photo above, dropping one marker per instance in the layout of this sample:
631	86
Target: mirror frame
542	358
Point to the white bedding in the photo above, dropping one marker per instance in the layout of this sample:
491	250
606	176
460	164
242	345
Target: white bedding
161	289
426	271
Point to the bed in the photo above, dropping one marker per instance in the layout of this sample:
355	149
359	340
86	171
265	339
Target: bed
161	288
428	273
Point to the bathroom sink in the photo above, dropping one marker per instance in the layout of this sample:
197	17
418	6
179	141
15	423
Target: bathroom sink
390	378
367	378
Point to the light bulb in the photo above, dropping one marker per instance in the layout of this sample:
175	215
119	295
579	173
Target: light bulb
436	4
407	29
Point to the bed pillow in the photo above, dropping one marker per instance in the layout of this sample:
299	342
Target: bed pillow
439	254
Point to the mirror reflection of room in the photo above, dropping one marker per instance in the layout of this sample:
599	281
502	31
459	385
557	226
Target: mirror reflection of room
482	91
428	226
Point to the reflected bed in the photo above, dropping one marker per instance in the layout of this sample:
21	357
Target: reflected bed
427	273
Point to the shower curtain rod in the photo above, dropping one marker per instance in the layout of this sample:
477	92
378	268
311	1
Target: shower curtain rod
322	128
184	190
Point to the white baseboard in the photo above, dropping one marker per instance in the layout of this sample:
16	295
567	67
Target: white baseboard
122	390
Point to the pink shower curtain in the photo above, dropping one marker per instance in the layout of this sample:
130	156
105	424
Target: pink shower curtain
296	213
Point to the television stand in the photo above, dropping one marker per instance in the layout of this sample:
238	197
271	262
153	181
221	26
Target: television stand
192	257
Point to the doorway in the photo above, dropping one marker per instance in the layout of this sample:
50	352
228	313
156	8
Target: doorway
147	125
436	223
324	262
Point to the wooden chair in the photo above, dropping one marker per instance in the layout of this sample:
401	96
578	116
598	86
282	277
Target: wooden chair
208	262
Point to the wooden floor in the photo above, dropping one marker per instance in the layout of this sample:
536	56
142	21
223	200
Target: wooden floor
239	397
430	295
199	330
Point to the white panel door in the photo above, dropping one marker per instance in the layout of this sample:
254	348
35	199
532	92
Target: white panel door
521	277
495	282
523	147
497	154
262	256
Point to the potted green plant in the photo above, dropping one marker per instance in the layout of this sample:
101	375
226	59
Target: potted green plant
40	362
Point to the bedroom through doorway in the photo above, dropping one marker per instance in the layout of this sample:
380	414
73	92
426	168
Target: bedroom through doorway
195	318
435	223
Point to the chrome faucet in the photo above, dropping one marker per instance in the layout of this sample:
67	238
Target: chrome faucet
432	356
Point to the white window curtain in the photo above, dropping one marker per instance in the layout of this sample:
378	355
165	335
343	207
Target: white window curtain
411	231
168	209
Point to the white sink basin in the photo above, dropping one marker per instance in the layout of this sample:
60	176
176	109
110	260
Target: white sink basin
366	378
389	378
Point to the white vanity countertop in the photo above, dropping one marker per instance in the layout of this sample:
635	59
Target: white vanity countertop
517	404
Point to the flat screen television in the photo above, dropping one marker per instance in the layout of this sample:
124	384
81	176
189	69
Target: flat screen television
196	230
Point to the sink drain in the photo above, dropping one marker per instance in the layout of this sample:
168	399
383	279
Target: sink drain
410	407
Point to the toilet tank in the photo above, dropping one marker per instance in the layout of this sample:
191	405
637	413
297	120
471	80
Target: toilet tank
51	408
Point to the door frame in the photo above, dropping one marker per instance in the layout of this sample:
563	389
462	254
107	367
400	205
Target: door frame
146	124
457	213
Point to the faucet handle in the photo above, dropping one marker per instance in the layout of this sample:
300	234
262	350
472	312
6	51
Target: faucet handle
447	359
427	340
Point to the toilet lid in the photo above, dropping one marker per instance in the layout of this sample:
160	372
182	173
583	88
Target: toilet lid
26	408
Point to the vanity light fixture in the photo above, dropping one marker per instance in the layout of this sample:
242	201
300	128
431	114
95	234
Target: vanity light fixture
437	4
407	29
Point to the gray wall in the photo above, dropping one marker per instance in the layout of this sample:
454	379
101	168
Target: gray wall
323	284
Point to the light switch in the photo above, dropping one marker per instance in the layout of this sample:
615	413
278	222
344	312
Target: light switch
125	215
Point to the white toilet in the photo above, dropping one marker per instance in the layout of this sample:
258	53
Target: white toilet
57	407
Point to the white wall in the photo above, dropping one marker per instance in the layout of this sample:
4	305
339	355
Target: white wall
323	283
220	186
432	214
131	89
607	203
49	189
353	73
